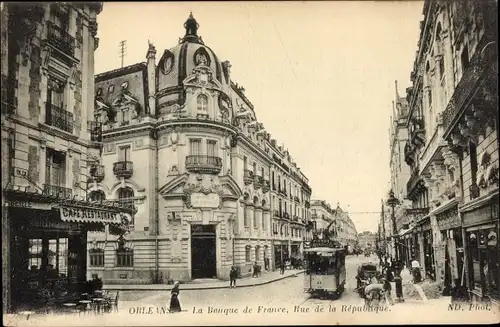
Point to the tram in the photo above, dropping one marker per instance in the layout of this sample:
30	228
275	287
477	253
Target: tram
325	273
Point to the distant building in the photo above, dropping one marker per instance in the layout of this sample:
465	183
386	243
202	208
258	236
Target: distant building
367	240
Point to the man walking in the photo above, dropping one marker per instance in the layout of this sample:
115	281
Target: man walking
282	267
232	277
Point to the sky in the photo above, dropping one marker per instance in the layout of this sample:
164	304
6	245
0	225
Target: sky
319	74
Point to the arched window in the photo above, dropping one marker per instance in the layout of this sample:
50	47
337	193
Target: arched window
247	253
126	199
202	101
246	218
257	253
97	196
255	222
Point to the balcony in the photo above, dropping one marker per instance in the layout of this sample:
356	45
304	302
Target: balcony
474	191
248	177
60	39
415	184
204	164
59	118
57	191
480	66
266	186
97	173
258	181
123	169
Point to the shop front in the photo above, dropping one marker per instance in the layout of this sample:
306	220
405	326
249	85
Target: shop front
481	224
424	251
48	247
450	263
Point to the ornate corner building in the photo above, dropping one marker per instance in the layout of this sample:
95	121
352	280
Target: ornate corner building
449	221
181	143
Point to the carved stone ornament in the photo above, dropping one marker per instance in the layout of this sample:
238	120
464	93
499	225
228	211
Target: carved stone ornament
173	171
201	57
168	62
206	184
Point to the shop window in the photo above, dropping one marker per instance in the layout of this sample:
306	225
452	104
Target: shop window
257	253
247	253
35	248
124	257
96	257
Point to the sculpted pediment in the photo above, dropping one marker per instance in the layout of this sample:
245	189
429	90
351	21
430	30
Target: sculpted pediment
187	184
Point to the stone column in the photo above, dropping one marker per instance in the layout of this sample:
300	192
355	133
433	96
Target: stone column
421	259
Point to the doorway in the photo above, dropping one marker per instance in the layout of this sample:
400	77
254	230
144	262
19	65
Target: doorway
203	253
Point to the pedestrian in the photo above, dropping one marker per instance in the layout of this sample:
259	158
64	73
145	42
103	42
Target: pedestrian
373	292
415	271
387	291
282	267
233	273
175	305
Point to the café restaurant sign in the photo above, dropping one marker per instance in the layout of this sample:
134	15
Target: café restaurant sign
92	215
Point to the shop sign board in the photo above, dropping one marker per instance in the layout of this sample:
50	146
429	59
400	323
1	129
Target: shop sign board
93	215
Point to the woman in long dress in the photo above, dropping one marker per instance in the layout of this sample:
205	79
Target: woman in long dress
175	305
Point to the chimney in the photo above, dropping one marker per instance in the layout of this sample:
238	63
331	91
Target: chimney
151	67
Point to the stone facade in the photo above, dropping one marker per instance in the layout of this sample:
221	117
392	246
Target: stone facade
181	143
44	67
335	221
452	148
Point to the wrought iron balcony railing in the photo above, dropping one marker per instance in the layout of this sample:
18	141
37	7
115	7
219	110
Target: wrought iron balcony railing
204	164
57	191
59	118
60	39
123	169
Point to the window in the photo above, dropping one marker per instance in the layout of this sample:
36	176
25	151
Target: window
111	89
255	222
35	251
124	85
464	59
60	18
55	168
212	148
254	168
126	199
195	146
202	102
473	162
96	257
97	196
124	257
247	253
246	219
262	171
124	153
257	253
55	115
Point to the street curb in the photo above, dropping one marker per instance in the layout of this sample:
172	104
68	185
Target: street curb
115	288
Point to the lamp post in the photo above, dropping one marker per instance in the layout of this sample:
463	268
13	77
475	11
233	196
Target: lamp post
392	201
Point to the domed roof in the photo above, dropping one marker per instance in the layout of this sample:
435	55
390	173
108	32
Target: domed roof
178	62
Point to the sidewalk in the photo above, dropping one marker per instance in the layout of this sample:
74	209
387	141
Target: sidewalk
265	278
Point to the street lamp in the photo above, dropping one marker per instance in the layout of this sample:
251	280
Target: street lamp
392	201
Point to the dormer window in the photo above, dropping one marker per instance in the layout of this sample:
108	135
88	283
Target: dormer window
202	102
124	85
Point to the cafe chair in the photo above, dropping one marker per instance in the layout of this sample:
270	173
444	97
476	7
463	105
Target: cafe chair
114	302
26	313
